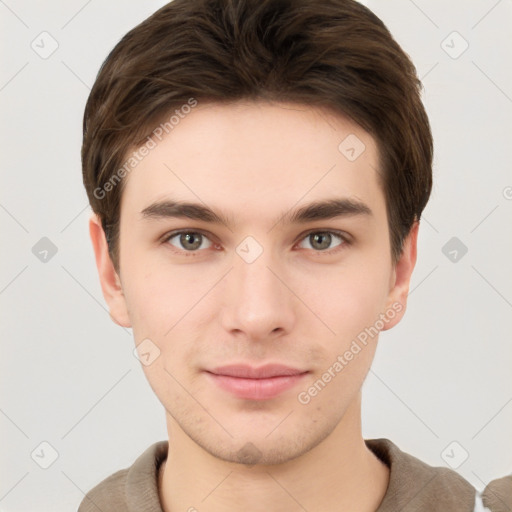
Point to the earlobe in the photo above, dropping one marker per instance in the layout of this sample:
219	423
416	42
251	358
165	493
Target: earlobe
109	279
399	288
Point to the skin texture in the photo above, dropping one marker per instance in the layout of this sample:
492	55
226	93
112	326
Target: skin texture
295	304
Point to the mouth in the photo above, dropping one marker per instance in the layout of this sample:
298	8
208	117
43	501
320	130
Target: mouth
251	383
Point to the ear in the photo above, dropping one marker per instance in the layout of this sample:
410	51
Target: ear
401	278
109	279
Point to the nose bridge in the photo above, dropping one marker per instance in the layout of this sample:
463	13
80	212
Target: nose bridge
258	277
259	303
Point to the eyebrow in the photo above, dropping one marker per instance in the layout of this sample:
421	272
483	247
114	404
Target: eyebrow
317	210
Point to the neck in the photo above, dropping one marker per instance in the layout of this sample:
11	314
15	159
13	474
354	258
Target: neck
340	473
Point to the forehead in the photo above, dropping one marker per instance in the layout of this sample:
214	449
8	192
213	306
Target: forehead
255	158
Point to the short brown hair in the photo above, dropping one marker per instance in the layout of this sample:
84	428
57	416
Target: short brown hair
331	53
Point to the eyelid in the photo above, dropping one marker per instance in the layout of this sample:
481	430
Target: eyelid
171	234
177	232
342	234
345	237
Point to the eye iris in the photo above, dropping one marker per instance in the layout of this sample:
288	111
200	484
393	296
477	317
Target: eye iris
188	238
324	240
320	241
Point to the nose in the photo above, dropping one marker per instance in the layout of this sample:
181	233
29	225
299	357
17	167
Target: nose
257	302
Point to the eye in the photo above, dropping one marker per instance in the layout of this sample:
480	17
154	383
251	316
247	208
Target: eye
192	242
321	240
188	241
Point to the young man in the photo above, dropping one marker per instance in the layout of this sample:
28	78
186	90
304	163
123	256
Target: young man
257	171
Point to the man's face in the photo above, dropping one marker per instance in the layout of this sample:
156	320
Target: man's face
264	288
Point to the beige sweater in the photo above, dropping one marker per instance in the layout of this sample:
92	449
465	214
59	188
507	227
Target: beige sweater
413	486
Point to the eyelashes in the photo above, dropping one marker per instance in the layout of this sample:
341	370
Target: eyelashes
195	238
329	234
182	234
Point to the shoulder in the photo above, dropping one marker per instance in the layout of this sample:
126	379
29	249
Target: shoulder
417	486
108	493
132	488
497	495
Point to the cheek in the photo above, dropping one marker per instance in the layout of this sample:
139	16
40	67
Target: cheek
351	309
348	299
158	299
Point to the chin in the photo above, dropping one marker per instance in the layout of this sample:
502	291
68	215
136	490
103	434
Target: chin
250	445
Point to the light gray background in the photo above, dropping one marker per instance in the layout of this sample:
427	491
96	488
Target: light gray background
68	374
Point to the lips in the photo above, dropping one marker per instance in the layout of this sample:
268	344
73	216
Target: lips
256	383
262	372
